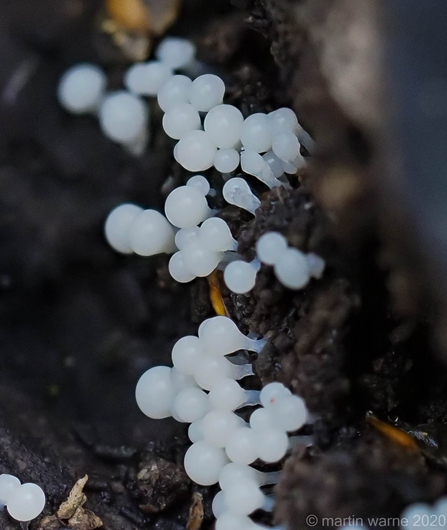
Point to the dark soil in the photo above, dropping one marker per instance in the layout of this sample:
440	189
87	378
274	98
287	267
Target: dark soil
79	324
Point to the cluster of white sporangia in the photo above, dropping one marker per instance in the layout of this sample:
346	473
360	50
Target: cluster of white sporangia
209	133
24	502
202	389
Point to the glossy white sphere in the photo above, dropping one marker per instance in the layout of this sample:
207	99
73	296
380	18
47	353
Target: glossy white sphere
226	160
316	265
227	395
180	381
218	425
224	123
185	236
186	207
175	52
219	506
262	419
81	88
241	446
286	146
244	497
292	269
8	483
236	191
187	354
215	235
200	183
270	246
233	521
155	393
240	276
181	119
195	432
203	463
206	92
256	133
150	233
252	162
199	260
191	404
210	370
271	445
117	227
26	502
274	163
178	270
221	336
283	120
289	412
233	473
123	117
174	92
272	392
146	79
196	151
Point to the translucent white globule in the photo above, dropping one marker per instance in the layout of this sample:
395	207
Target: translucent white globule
221	336
224	123
150	233
244	497
262	419
240	276
283	120
270	247
210	370
219	506
117	227
200	183
8	483
191	404
174	92
178	270
256	133
181	119
186	207
195	432
292	269
180	381
26	502
274	163
175	52
226	160
233	473
199	260
271	445
285	145
185	236
236	191
155	393
207	91
215	234
316	265
414	513
241	446
227	395
271	392
203	463
187	353
234	521
123	117
196	151
254	164
218	425
81	88
289	413
146	79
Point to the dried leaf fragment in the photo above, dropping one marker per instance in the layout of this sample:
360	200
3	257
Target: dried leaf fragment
76	498
195	513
